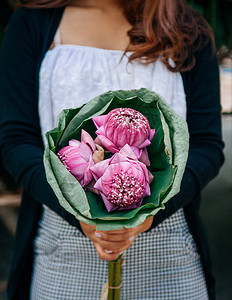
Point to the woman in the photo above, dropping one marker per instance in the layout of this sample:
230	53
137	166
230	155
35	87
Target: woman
60	54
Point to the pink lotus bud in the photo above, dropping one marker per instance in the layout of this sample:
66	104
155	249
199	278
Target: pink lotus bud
78	158
123	126
122	180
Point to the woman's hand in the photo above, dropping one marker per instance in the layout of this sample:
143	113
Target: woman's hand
110	244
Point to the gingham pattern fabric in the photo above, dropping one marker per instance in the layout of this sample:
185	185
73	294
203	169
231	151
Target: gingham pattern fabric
162	264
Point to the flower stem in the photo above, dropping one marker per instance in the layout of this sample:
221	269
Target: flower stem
114	278
111	280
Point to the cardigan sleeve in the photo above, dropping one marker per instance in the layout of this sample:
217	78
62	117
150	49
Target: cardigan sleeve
21	143
204	123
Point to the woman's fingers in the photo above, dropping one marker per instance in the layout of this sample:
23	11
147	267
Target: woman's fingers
118	231
104	255
115	240
115	246
109	244
113	237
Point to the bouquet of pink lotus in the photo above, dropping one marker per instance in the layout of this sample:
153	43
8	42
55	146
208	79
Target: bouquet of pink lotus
123	179
123	153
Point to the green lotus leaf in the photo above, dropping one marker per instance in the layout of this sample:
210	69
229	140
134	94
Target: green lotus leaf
167	153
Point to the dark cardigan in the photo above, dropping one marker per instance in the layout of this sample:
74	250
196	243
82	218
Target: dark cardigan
29	35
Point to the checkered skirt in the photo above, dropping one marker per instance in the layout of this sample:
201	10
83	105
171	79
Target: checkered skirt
161	264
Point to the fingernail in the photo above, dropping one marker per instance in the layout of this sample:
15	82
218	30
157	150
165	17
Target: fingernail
131	238
120	253
98	235
109	251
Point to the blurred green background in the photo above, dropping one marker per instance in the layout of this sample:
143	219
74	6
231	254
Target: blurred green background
219	15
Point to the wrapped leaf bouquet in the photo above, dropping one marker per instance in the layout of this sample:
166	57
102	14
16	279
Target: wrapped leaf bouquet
116	161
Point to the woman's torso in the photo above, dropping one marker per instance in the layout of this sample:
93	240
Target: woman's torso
70	76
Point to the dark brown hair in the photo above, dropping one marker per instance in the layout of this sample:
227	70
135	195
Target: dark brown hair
161	29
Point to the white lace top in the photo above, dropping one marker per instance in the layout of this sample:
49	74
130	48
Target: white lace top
71	75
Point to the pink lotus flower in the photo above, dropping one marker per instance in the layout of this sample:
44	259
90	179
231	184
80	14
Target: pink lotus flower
78	157
123	126
122	180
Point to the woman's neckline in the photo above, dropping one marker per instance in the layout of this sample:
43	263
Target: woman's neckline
57	40
90	48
